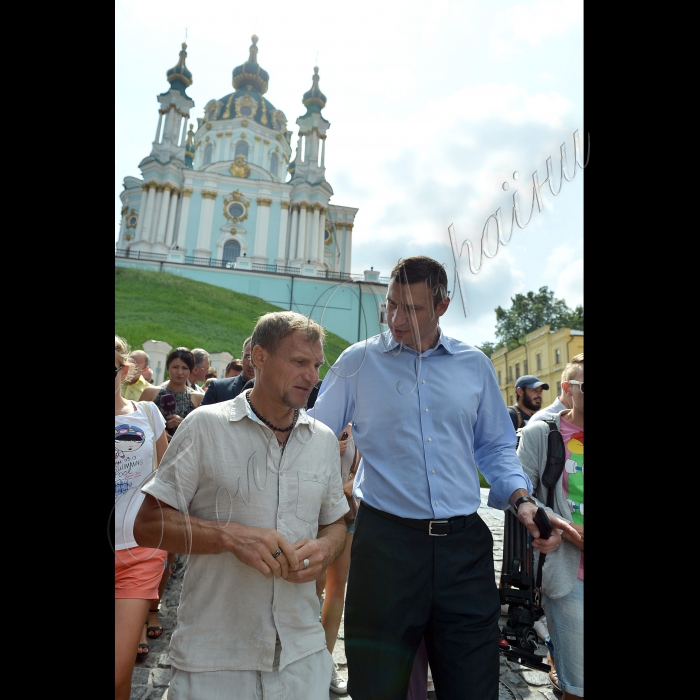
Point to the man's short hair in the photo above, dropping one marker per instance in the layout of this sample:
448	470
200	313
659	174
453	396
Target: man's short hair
199	356
419	268
572	368
143	354
271	328
247	340
234	364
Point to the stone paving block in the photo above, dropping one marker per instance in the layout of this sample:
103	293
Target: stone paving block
536	678
160	678
164	660
138	691
513	679
140	676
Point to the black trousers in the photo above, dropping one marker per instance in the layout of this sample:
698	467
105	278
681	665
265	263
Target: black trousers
405	584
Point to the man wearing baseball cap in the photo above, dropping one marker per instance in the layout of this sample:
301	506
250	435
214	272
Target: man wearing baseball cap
528	389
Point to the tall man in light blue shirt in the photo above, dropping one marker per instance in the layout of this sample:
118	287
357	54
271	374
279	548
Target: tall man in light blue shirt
425	409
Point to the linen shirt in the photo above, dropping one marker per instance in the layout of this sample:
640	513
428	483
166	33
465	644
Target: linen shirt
224	464
422	424
132	392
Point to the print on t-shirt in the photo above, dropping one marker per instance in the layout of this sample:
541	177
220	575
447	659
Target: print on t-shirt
127	438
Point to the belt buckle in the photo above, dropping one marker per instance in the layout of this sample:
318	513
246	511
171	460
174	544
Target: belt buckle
437	534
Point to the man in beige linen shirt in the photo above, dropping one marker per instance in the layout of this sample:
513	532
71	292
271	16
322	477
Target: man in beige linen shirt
250	488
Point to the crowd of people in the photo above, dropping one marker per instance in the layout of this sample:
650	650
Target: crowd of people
298	500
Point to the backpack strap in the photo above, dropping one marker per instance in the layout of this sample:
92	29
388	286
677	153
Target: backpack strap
518	415
553	470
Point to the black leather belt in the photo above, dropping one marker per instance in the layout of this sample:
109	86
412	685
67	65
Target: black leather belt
436	528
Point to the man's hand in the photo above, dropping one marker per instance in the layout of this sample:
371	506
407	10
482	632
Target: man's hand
526	515
578	543
320	552
256	546
173	421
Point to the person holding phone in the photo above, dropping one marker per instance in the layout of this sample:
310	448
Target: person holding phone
175	398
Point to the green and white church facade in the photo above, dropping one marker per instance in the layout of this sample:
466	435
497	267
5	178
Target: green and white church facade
215	204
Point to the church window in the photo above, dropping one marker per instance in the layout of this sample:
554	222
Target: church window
236	209
207	154
232	250
517	370
242	149
245	110
274	164
278	125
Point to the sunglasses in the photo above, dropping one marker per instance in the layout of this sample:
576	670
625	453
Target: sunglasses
116	370
575	381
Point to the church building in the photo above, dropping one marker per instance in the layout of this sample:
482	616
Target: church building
232	203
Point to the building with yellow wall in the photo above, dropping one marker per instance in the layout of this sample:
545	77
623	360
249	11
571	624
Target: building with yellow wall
545	354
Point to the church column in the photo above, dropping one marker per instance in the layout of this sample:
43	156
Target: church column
122	226
184	214
312	241
348	247
205	221
314	146
301	238
256	151
171	217
322	235
339	238
227	146
219	142
293	232
323	151
183	137
163	215
149	211
160	122
282	242
142	212
152	237
262	224
300	148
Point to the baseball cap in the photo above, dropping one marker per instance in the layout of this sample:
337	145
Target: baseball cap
530	381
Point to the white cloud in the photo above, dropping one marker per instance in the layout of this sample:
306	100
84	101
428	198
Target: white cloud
530	23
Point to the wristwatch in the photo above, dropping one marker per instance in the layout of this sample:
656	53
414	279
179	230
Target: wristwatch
521	500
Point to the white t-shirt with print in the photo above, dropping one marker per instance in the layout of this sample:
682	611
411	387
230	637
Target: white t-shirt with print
134	443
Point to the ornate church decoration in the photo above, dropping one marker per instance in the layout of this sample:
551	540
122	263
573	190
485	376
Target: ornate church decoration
246	106
239	168
236	207
132	219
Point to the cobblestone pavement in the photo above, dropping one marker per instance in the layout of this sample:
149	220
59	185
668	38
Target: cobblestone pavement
152	674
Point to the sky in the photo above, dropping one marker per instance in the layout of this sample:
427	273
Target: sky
434	108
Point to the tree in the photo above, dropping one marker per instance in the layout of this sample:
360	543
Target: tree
532	311
487	348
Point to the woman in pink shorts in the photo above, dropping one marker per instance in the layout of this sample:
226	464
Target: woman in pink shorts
139	443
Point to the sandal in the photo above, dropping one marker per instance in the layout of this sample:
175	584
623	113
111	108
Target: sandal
154	632
142	650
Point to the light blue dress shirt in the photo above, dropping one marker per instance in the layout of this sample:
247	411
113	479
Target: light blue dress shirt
422	424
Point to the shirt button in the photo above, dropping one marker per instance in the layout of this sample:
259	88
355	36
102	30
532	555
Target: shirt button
427	409
432	472
424	381
436	503
430	439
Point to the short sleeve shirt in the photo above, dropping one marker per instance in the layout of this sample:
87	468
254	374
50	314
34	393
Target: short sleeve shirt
224	464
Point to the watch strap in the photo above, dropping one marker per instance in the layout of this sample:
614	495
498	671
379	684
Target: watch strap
522	499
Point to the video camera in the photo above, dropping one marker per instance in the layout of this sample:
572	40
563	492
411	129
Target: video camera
518	640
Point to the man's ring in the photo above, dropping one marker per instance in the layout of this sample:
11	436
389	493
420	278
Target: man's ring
306	563
277	553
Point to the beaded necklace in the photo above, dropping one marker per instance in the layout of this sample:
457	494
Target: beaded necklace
267	422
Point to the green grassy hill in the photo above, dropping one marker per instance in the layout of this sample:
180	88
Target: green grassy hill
161	306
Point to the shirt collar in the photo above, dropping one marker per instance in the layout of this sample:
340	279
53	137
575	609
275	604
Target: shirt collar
240	408
389	344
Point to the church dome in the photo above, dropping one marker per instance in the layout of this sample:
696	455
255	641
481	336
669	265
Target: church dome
250	76
180	77
314	100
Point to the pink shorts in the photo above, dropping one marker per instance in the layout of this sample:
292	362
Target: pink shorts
137	572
